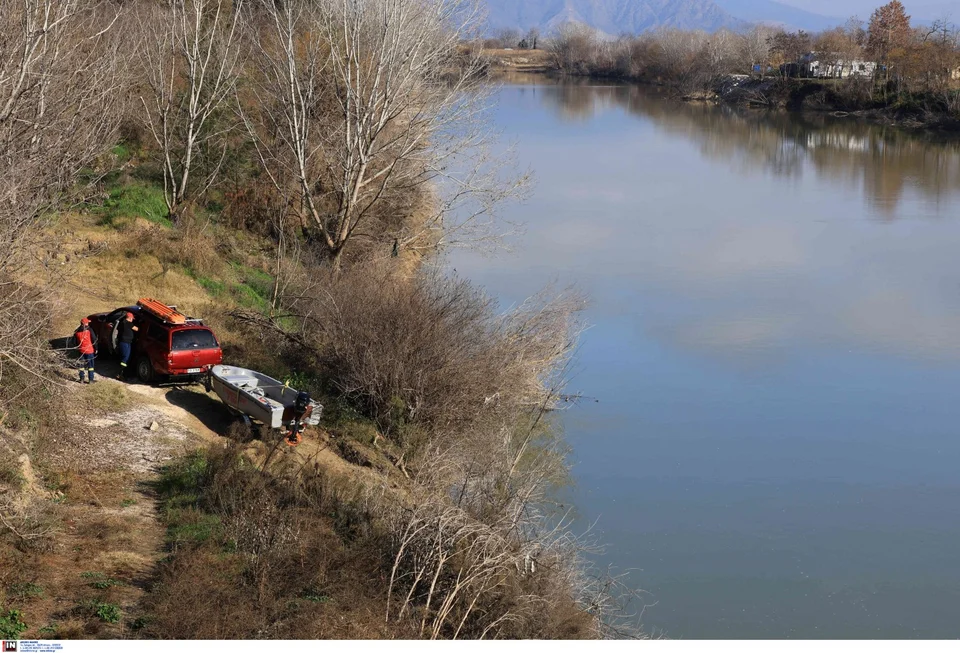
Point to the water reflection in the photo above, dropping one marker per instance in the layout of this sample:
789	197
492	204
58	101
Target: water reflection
883	162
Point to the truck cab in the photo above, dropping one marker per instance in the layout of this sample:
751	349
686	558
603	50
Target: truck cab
181	352
168	344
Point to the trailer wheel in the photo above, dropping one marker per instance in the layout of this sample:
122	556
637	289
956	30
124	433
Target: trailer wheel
241	429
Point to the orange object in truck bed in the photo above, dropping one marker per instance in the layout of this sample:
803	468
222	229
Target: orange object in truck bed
161	311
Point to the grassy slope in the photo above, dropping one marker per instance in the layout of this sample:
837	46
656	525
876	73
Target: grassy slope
94	572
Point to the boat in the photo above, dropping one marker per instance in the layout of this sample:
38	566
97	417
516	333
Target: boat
264	399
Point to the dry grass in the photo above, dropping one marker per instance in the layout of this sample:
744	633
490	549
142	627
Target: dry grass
116	268
107	397
278	567
519	60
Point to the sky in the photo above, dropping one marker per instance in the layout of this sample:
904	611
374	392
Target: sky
920	9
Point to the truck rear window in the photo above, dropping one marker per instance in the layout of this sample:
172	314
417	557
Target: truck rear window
193	339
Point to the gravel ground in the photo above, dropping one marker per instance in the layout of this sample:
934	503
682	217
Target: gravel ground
122	440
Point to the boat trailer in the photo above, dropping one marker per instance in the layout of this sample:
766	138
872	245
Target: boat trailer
261	398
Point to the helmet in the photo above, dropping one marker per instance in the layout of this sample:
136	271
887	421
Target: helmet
129	315
84	320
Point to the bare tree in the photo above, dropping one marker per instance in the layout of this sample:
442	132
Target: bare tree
888	36
190	59
367	105
574	47
532	38
507	37
786	48
59	82
755	46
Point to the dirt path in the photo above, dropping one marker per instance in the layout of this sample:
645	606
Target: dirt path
100	466
99	470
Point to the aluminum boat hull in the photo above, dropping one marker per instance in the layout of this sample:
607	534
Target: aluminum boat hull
259	396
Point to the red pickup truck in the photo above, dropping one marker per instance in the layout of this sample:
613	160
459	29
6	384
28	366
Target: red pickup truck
182	350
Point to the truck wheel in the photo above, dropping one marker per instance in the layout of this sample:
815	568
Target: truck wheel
145	370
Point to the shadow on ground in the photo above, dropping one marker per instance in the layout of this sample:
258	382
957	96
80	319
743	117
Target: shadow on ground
104	365
206	408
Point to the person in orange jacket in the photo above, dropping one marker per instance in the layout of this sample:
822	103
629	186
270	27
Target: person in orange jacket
87	345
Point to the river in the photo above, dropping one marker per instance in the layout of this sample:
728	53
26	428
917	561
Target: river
768	438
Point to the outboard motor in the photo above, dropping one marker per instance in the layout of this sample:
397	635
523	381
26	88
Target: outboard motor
301	408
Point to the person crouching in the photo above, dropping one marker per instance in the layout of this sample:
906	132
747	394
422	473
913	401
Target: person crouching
127	329
87	345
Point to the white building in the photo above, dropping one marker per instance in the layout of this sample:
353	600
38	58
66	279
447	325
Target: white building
826	65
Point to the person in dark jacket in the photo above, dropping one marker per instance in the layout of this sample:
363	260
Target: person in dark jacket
125	333
86	341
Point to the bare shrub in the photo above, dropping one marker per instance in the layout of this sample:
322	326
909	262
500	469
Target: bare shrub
24	354
194	245
462	578
433	351
290	538
32	523
573	48
274	561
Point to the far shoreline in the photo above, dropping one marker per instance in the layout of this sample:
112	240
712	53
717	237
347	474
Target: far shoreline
537	62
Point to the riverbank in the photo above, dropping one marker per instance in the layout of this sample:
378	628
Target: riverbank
823	97
520	61
839	97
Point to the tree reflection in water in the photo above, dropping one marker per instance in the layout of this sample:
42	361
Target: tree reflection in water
883	161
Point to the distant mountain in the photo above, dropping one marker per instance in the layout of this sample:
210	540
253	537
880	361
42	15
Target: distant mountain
770	12
634	16
610	16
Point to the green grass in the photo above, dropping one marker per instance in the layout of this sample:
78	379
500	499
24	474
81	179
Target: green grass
255	288
133	201
214	287
100	581
259	280
108	612
122	151
248	297
314	596
181	486
141	622
251	288
181	483
12	624
191	526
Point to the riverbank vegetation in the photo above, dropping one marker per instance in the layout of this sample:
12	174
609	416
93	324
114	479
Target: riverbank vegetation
292	168
886	65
